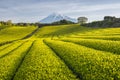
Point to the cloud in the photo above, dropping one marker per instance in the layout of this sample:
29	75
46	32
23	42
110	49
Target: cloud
34	10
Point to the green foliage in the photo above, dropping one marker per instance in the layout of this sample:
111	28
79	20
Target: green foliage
47	31
82	20
60	30
113	38
4	46
99	33
104	45
12	61
3	27
107	22
88	63
8	23
15	33
9	48
84	53
63	22
41	63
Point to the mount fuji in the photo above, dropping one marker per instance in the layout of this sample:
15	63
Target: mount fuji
56	17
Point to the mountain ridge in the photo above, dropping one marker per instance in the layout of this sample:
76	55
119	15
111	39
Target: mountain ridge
56	17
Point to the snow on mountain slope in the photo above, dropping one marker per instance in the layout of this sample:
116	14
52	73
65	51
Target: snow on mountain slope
56	17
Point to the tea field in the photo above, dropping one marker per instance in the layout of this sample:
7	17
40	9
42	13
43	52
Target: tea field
62	52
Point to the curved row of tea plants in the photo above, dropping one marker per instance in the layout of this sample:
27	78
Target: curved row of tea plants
41	63
5	46
11	62
104	45
60	30
11	47
98	33
114	38
101	32
15	33
88	63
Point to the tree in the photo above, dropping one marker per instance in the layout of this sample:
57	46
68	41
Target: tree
82	20
9	22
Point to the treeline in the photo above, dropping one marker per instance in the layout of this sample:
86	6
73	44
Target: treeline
107	22
26	24
61	22
9	23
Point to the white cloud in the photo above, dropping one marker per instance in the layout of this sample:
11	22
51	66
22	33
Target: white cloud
33	12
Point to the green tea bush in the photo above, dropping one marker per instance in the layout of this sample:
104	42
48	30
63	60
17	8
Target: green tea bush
88	63
41	63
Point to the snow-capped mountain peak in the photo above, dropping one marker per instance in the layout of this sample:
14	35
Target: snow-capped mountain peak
56	17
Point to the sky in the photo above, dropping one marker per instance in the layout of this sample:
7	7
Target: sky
35	10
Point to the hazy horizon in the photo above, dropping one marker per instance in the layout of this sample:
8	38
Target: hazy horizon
35	10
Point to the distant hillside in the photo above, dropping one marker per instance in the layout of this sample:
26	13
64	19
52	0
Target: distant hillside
63	22
56	17
107	22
